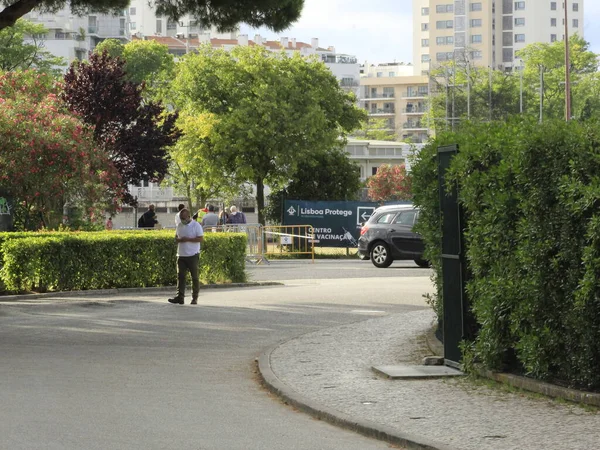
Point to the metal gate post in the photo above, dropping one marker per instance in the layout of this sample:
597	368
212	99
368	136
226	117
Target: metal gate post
457	317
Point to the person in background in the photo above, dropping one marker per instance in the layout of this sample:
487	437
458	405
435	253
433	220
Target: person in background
177	218
201	213
223	217
236	217
109	224
148	219
210	219
189	237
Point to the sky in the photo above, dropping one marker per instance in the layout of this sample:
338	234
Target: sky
379	30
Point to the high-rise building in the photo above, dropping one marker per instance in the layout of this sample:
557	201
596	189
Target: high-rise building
487	33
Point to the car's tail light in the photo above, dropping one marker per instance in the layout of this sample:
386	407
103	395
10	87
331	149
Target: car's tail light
364	229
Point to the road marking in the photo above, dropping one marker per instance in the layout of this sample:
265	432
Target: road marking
367	311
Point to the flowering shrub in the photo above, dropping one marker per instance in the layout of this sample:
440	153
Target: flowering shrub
390	183
47	156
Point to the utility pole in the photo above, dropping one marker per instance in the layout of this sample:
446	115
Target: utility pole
490	91
567	66
521	87
453	87
541	93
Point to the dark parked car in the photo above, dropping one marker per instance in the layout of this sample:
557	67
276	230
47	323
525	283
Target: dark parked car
388	235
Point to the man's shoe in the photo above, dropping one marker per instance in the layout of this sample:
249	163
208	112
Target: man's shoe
176	301
194	302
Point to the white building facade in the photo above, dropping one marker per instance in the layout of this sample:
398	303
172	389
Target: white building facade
488	33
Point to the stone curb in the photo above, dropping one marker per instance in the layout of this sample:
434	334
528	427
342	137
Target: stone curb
524	383
321	412
12	298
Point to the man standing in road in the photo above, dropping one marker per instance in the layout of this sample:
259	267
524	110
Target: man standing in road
189	237
210	219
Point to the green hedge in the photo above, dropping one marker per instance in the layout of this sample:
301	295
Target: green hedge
531	195
100	260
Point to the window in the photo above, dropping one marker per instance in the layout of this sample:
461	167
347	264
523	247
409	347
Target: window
519	22
171	24
424	27
507	55
440	56
552	38
476	39
441	9
379	74
444	24
575	7
406	218
132	11
552	22
476	6
425	58
575	23
476	55
132	25
424	42
519	6
519	38
475	23
391	74
424	11
158	26
553	6
423	90
388	92
444	40
387	217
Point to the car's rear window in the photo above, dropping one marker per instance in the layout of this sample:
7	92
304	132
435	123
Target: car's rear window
386	217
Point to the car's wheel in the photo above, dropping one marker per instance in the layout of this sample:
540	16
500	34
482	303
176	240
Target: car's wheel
422	263
380	255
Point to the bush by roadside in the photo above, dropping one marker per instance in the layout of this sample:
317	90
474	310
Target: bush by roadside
531	195
101	260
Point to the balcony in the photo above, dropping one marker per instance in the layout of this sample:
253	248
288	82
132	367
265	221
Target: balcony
349	83
382	112
379	96
414	94
413	126
415	110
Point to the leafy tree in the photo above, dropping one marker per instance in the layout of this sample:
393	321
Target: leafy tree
192	167
19	53
375	129
114	48
145	61
273	110
327	175
135	133
224	14
495	95
47	156
390	183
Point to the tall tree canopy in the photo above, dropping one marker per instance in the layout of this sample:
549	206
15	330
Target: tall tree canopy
223	14
273	110
135	133
23	48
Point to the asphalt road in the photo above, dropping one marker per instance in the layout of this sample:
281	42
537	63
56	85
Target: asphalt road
134	372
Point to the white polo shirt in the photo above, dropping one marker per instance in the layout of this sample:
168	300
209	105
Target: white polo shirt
191	230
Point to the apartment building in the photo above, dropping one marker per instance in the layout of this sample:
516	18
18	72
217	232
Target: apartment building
344	67
487	33
393	69
401	100
73	37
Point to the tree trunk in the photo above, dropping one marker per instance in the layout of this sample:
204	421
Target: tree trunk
260	200
10	14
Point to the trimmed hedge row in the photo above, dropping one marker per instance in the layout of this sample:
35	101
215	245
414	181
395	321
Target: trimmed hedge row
531	195
101	260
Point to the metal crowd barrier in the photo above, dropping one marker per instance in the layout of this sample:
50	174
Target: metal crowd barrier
254	235
289	240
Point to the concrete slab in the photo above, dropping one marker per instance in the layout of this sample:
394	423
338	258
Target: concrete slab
404	371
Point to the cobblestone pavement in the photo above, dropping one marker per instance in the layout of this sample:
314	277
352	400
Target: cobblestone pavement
332	367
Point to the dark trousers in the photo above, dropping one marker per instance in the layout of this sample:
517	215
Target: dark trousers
185	263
